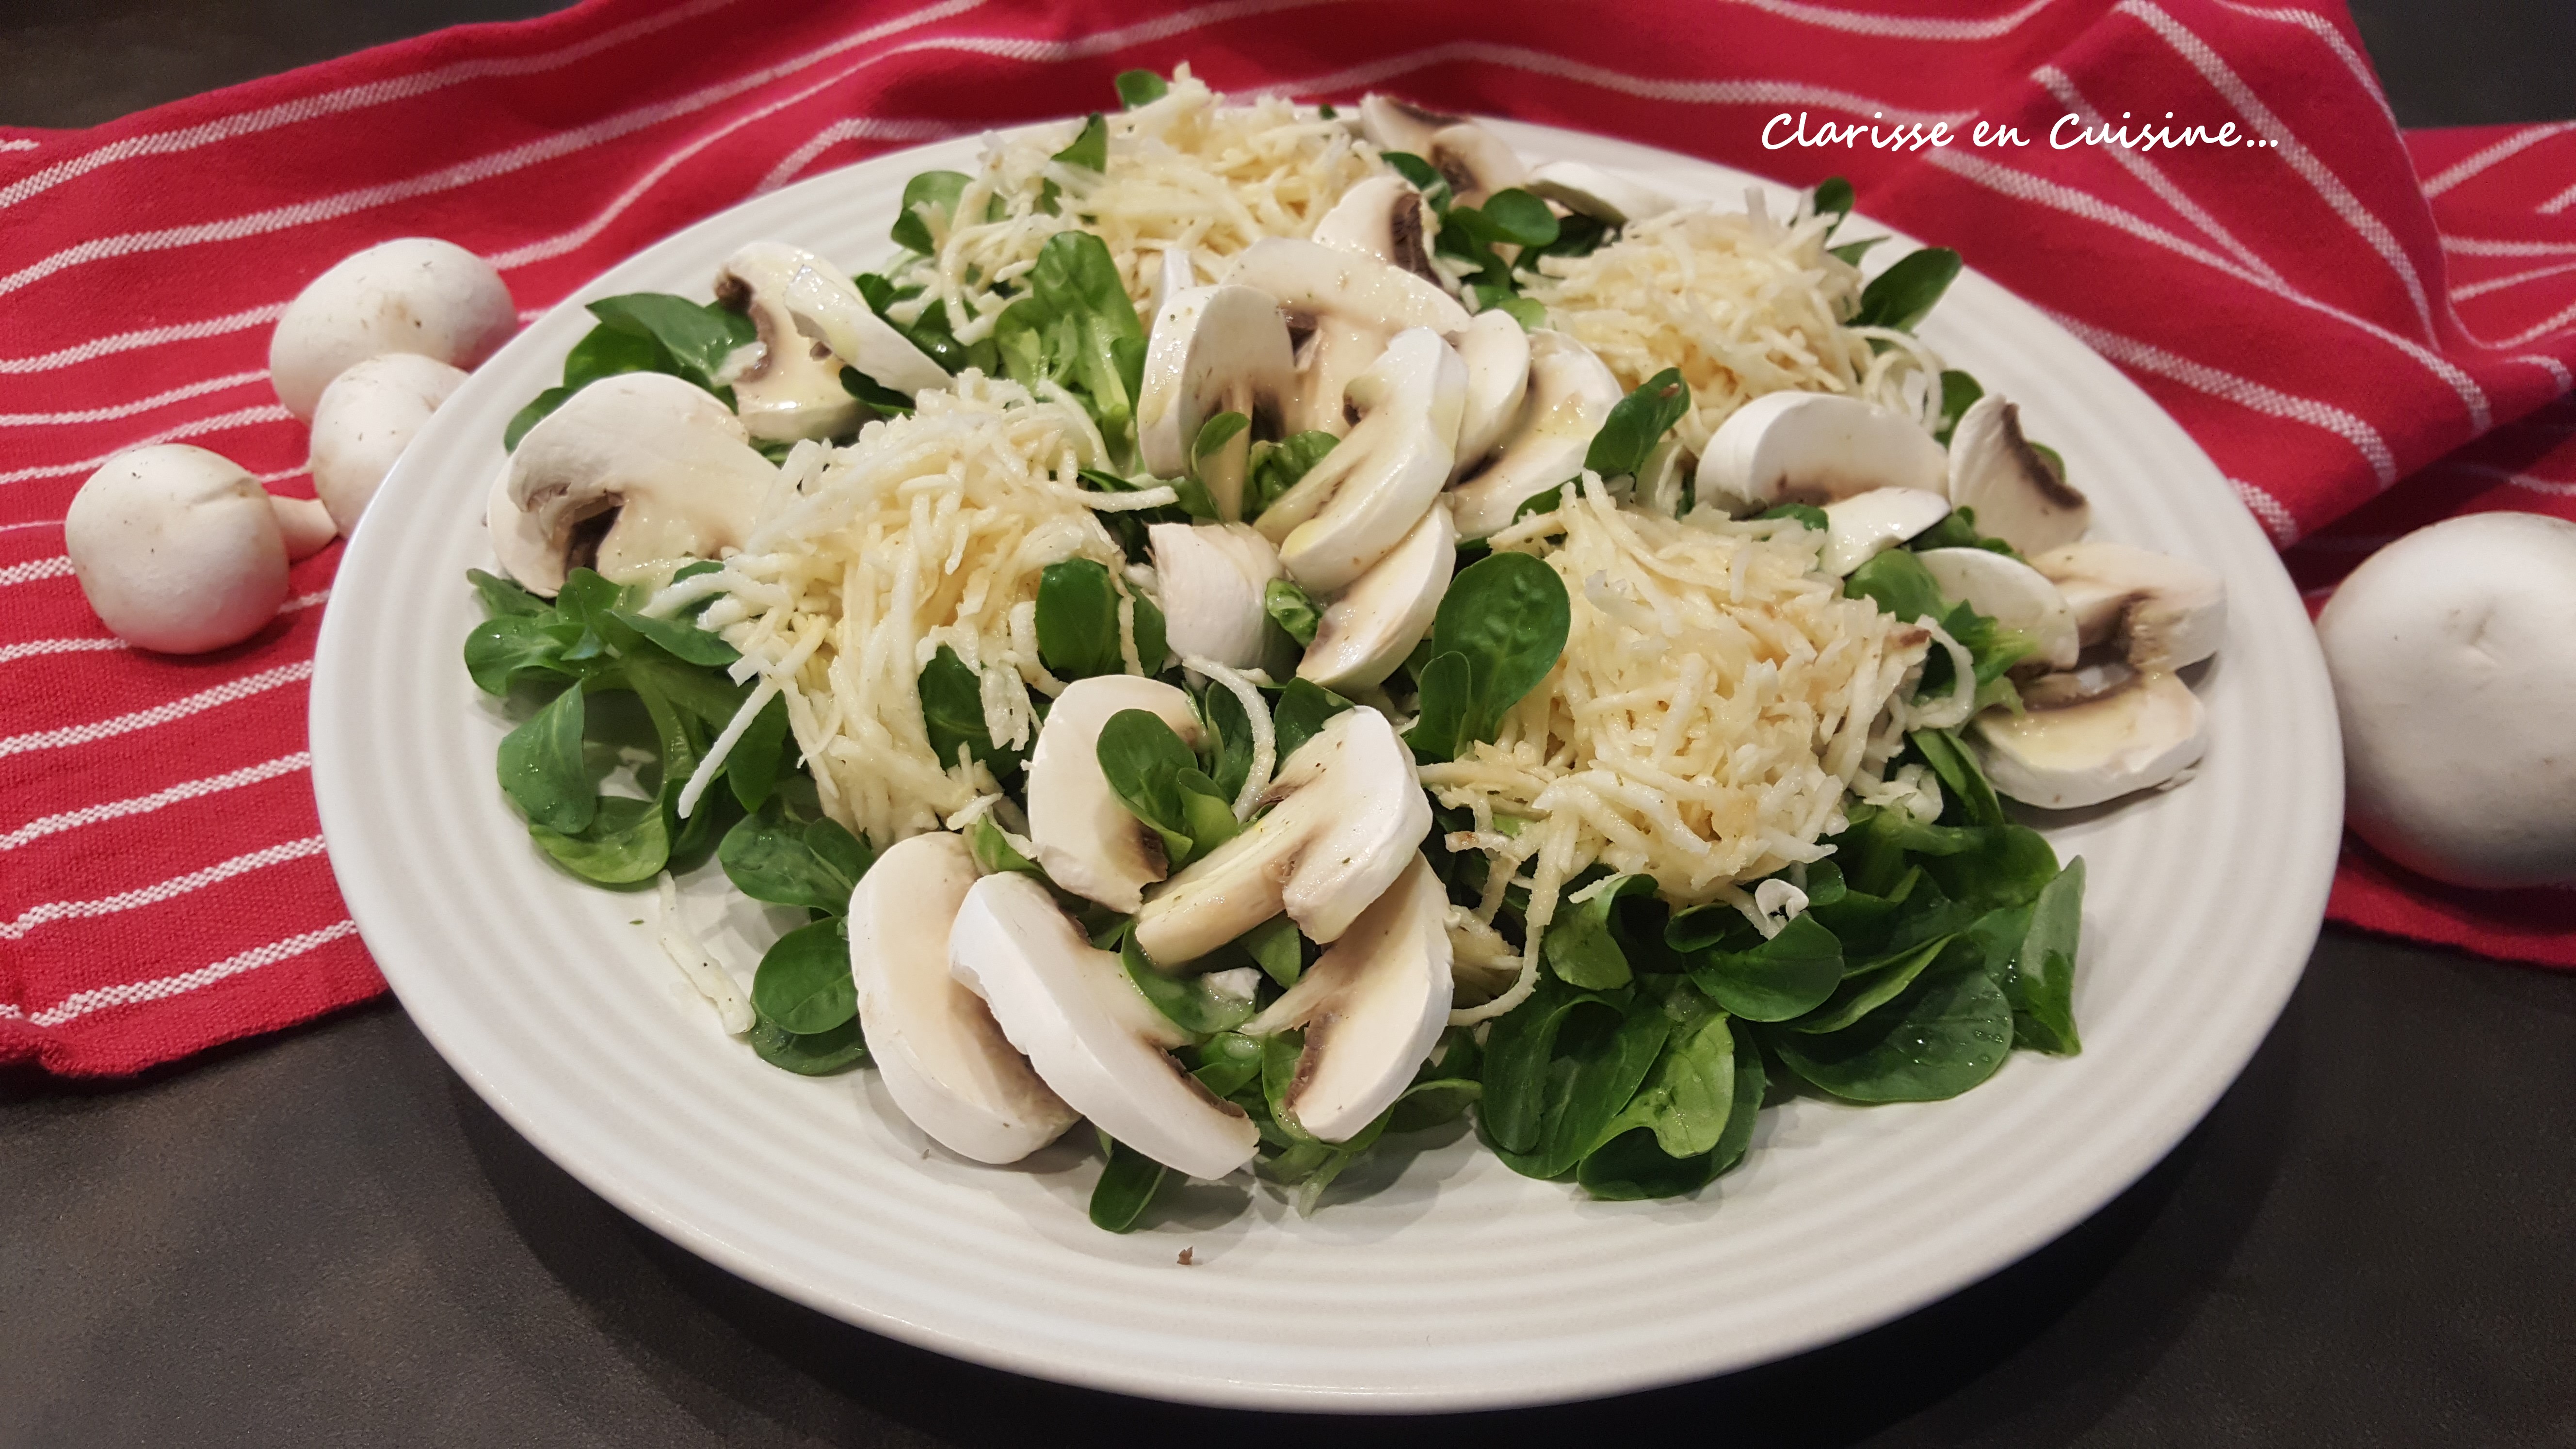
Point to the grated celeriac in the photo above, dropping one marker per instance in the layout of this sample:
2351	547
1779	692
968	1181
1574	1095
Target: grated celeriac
1716	698
1744	304
925	532
1187	170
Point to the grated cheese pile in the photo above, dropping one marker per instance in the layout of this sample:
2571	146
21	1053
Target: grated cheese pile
1715	699
1186	170
927	531
1743	304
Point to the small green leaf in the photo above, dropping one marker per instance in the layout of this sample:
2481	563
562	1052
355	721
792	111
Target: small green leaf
1293	609
1447	701
819	1055
1636	423
1581	947
952	712
773	856
1090	148
1809	516
502	596
803	982
932	193
1301	711
1514	215
1077	620
994	852
1903	295
697	337
1128	1179
626	842
1508	614
1188	1002
1833	197
541	766
1426	178
508	649
680	638
1140	88
1227	1063
1786	976
752	770
1946	1033
1276	467
1959	392
1850	253
1276	948
1218	431
531	415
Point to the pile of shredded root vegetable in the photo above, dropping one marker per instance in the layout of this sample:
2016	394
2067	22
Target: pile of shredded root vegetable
1716	699
1188	170
1744	304
927	531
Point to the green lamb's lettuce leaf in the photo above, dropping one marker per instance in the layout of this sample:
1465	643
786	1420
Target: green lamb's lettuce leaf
932	193
1141	88
1188	1002
1076	328
1903	295
1786	976
952	711
1559	1068
1293	610
1505	618
541	767
1128	1178
1275	468
1159	780
819	1055
1946	1032
1301	711
803	982
777	857
1636	423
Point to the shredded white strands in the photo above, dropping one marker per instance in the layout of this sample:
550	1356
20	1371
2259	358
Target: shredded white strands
1715	700
1256	712
1187	170
927	532
1744	305
681	944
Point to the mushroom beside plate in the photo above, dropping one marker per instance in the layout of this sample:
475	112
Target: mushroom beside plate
1433	1278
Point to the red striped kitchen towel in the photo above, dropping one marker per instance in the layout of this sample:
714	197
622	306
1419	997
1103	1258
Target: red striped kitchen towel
2331	312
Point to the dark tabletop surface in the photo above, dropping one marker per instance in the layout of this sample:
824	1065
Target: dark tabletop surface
326	1238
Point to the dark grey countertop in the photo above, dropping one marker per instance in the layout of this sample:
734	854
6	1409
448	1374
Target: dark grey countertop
325	1237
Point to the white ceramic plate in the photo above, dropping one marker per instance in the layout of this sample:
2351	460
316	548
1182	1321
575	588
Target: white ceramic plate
1439	1280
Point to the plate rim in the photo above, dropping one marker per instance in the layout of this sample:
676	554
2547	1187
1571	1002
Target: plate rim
340	799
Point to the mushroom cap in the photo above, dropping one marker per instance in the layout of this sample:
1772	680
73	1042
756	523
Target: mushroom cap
1571	393
1372	1008
177	549
1349	814
826	306
1349	306
366	417
1390	124
1356	504
2454	669
789	388
944	1059
1496	349
415	294
667	458
2011	593
1382	218
1087	840
304	524
1214	349
1088	1031
1377	621
2164	612
2142	732
1815	447
1596	192
2019	496
1213	578
1475	162
1865	525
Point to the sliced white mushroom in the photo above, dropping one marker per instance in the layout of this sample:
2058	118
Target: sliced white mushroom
633	474
1090	1033
786	385
2143	731
1212	578
1474	161
1088	841
366	418
826	307
1571	393
1347	307
1372	1008
1593	191
1373	626
177	549
1214	350
1815	447
416	294
1355	505
2018	496
2163	612
1865	525
1346	816
1496	350
1178	273
1383	218
944	1059
2011	593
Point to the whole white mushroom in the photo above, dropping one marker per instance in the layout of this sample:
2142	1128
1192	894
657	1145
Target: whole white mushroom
416	294
366	418
178	549
2453	654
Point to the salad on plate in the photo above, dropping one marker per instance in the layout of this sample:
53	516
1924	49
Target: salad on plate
1261	627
